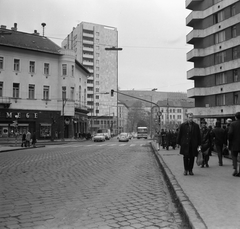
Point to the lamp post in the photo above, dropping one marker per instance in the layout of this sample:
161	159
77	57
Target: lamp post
154	89
64	101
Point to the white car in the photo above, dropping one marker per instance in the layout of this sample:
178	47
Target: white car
123	137
99	137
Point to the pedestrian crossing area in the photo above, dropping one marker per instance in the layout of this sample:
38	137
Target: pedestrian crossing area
94	145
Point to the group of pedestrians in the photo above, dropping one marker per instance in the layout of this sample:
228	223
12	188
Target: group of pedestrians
192	139
28	138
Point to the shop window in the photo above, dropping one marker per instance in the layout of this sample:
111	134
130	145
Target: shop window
45	130
31	91
15	90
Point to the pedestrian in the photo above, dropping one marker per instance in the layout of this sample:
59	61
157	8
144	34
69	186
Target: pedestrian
205	143
220	141
23	139
34	140
163	136
189	139
28	139
234	140
158	138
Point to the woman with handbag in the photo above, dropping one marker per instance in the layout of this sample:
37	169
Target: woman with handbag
205	143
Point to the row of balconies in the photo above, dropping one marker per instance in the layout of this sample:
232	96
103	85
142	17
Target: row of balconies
219	89
200	34
191	3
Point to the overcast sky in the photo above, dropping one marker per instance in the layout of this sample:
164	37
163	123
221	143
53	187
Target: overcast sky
152	34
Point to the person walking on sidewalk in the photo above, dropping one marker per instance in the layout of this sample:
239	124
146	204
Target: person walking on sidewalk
220	140
189	139
205	143
28	139
23	140
234	139
158	138
34	139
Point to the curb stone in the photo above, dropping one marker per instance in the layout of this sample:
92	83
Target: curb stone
185	205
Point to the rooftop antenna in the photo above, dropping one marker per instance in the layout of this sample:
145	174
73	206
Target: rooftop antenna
43	25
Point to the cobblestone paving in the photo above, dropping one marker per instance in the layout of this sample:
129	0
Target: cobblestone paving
84	189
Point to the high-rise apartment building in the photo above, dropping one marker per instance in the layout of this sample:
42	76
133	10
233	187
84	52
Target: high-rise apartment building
89	40
216	56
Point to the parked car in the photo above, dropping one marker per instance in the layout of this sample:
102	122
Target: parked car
123	137
99	137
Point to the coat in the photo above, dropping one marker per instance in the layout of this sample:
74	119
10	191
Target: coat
205	139
219	136
234	136
186	137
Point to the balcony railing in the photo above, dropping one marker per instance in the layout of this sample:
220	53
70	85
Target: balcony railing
5	101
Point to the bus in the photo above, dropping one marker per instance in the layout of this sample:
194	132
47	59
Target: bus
142	132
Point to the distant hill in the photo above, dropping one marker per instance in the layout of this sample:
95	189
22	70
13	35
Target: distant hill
156	96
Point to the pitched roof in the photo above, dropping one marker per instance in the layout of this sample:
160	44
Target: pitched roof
35	42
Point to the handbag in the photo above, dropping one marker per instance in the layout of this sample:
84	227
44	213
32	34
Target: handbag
225	151
199	160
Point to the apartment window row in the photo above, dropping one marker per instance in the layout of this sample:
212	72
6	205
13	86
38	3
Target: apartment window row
227	77
32	66
221	99
221	15
227	55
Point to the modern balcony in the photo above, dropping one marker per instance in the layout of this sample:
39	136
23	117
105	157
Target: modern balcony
88	42
193	17
88	35
190	4
87	49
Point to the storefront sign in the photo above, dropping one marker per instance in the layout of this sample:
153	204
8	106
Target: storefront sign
19	115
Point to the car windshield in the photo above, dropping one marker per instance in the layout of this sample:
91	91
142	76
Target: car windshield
99	134
123	134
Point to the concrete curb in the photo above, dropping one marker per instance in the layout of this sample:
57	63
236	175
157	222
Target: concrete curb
22	148
185	205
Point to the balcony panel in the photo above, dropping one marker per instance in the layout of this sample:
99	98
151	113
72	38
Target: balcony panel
88	42
193	35
88	56
88	49
88	35
193	17
87	63
191	4
194	72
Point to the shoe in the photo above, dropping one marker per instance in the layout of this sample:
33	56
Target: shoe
220	164
191	173
207	165
202	166
238	175
235	173
185	173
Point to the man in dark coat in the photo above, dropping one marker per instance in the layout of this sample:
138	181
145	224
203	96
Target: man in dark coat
189	139
234	140
205	142
220	140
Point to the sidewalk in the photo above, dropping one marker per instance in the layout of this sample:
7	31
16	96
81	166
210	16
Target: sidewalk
210	198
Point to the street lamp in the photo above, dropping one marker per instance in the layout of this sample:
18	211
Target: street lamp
154	89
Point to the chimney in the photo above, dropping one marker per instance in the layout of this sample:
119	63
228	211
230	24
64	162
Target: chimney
15	27
36	32
3	27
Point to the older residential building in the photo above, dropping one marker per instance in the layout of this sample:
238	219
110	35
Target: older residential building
88	41
216	56
42	87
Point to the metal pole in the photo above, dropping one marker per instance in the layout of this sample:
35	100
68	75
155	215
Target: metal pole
151	120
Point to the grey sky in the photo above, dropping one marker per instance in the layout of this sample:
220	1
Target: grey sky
152	34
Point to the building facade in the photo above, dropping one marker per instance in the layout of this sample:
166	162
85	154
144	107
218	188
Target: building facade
216	56
88	41
42	87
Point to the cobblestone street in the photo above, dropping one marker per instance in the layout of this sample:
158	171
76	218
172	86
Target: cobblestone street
84	188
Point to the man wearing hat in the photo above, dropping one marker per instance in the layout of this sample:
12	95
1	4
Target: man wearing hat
220	139
205	142
234	136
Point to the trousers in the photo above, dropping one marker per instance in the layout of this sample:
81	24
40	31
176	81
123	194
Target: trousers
188	162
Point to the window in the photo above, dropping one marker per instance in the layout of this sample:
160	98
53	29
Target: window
64	69
235	53
97	33
221	78
46	92
220	100
218	17
15	90
46	68
1	89
31	91
64	92
16	65
72	93
235	75
97	96
97	75
97	62
97	104
235	98
220	57
233	10
1	63
79	94
32	67
97	82
234	31
219	37
97	68
72	70
97	89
